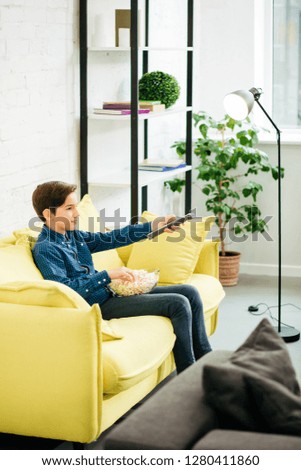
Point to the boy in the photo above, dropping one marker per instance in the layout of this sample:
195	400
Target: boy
63	254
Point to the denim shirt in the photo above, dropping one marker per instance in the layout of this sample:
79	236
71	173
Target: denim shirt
67	258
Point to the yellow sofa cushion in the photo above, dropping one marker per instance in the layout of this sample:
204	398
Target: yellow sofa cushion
88	221
17	264
174	254
137	355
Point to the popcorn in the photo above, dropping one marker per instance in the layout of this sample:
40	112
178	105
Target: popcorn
144	283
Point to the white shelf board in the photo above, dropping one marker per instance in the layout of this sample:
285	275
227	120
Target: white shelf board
142	117
122	179
149	48
167	49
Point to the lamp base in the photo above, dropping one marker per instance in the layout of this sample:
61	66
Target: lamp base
288	333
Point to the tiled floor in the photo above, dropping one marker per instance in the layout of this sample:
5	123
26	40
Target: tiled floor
234	325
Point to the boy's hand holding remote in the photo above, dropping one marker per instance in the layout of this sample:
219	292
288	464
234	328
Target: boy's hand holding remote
169	223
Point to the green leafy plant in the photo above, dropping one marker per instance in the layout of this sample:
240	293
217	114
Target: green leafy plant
175	185
228	159
159	86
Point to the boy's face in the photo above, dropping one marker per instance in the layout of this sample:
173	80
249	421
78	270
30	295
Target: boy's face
66	215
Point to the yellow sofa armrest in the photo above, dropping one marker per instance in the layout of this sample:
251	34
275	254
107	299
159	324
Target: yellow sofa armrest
51	384
49	294
208	262
41	292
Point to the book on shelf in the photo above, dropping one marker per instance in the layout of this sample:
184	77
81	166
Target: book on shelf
149	165
149	102
116	105
154	108
120	112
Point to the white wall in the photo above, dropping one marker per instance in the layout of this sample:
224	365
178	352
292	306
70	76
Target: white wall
261	257
39	110
38	101
225	61
224	51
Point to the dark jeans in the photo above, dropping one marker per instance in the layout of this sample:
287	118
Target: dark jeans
182	304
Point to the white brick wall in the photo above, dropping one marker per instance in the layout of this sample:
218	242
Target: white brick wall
38	101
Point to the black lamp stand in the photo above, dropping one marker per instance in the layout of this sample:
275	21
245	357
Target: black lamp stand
288	333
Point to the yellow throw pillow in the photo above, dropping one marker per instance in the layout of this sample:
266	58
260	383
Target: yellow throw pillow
9	240
106	260
124	253
88	221
88	215
17	264
27	236
175	254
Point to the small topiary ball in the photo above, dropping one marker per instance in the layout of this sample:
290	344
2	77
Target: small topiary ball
159	86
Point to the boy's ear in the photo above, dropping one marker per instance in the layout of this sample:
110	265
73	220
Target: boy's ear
46	214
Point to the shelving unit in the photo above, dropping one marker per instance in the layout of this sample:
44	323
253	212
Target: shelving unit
132	178
123	179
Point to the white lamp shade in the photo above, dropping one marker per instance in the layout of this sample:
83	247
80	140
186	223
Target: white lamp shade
239	104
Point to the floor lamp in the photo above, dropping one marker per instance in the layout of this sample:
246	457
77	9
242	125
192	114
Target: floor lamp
238	105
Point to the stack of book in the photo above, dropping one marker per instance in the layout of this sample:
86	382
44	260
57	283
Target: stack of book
151	165
153	106
120	111
124	107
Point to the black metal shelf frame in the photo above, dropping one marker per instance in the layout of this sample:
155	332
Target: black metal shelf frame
134	52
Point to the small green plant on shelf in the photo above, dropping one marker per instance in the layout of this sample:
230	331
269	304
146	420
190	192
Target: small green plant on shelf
228	158
175	185
159	86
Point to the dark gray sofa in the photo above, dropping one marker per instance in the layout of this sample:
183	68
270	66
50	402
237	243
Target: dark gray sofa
177	417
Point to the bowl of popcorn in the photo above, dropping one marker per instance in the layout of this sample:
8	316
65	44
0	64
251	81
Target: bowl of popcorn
144	282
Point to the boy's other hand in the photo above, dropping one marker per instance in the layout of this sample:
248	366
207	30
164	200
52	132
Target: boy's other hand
125	274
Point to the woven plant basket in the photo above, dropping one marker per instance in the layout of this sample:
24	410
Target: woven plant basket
229	268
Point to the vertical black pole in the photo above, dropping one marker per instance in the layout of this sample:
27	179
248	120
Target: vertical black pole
279	233
83	98
279	210
134	111
144	194
144	70
189	103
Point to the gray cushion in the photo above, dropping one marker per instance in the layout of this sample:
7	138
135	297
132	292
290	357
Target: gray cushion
232	440
263	354
173	418
279	408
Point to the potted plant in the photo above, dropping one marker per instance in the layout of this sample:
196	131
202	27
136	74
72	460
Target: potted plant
228	162
159	86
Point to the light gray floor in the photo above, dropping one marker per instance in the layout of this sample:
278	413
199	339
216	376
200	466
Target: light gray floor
235	323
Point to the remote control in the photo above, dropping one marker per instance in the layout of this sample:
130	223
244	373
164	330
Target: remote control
178	221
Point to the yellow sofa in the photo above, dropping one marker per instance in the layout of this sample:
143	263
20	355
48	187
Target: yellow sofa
66	373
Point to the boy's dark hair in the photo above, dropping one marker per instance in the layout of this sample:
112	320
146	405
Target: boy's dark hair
50	195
